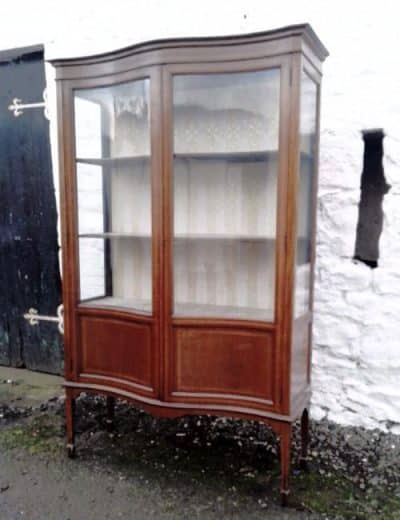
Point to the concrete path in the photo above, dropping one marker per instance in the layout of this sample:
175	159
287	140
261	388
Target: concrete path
23	388
186	468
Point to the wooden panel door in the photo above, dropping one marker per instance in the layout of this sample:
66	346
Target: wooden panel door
29	266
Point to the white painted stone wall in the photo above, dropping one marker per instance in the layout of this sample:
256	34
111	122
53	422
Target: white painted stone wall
356	373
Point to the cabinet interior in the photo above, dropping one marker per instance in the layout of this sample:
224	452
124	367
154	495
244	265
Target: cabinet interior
225	171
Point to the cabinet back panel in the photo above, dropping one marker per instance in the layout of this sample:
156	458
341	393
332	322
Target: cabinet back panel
225	273
130	188
223	362
131	267
116	348
224	197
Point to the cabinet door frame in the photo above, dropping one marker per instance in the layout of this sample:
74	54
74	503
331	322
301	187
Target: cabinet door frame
69	220
282	260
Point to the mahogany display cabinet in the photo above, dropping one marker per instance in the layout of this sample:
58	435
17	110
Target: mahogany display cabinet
188	196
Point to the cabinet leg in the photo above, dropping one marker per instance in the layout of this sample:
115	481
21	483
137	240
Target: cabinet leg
305	436
110	406
285	439
70	426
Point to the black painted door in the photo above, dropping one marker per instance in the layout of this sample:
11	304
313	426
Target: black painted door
29	264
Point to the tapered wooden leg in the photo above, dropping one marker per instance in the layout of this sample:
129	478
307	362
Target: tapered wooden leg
70	419
304	440
285	438
110	405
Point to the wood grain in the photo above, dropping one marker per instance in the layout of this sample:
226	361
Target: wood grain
242	362
118	349
206	345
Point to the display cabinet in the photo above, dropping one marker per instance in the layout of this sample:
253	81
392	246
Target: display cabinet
189	174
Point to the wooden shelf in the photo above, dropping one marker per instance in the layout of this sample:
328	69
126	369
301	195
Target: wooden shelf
113	161
241	157
135	304
218	236
114	235
203	156
185	310
183	236
198	310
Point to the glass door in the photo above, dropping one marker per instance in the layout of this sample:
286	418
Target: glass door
112	129
225	173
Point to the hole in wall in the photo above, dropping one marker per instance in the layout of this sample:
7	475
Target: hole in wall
373	188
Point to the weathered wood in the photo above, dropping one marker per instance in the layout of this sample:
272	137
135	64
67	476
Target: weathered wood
29	265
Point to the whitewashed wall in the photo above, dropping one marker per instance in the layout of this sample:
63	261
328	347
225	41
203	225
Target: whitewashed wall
356	372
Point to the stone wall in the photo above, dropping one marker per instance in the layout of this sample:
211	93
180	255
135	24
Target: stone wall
356	364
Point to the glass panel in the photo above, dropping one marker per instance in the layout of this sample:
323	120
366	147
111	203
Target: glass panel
226	131
114	195
308	141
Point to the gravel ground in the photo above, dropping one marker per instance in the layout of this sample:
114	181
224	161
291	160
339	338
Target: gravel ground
193	467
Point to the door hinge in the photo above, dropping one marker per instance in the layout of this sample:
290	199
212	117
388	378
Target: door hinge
34	317
18	107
